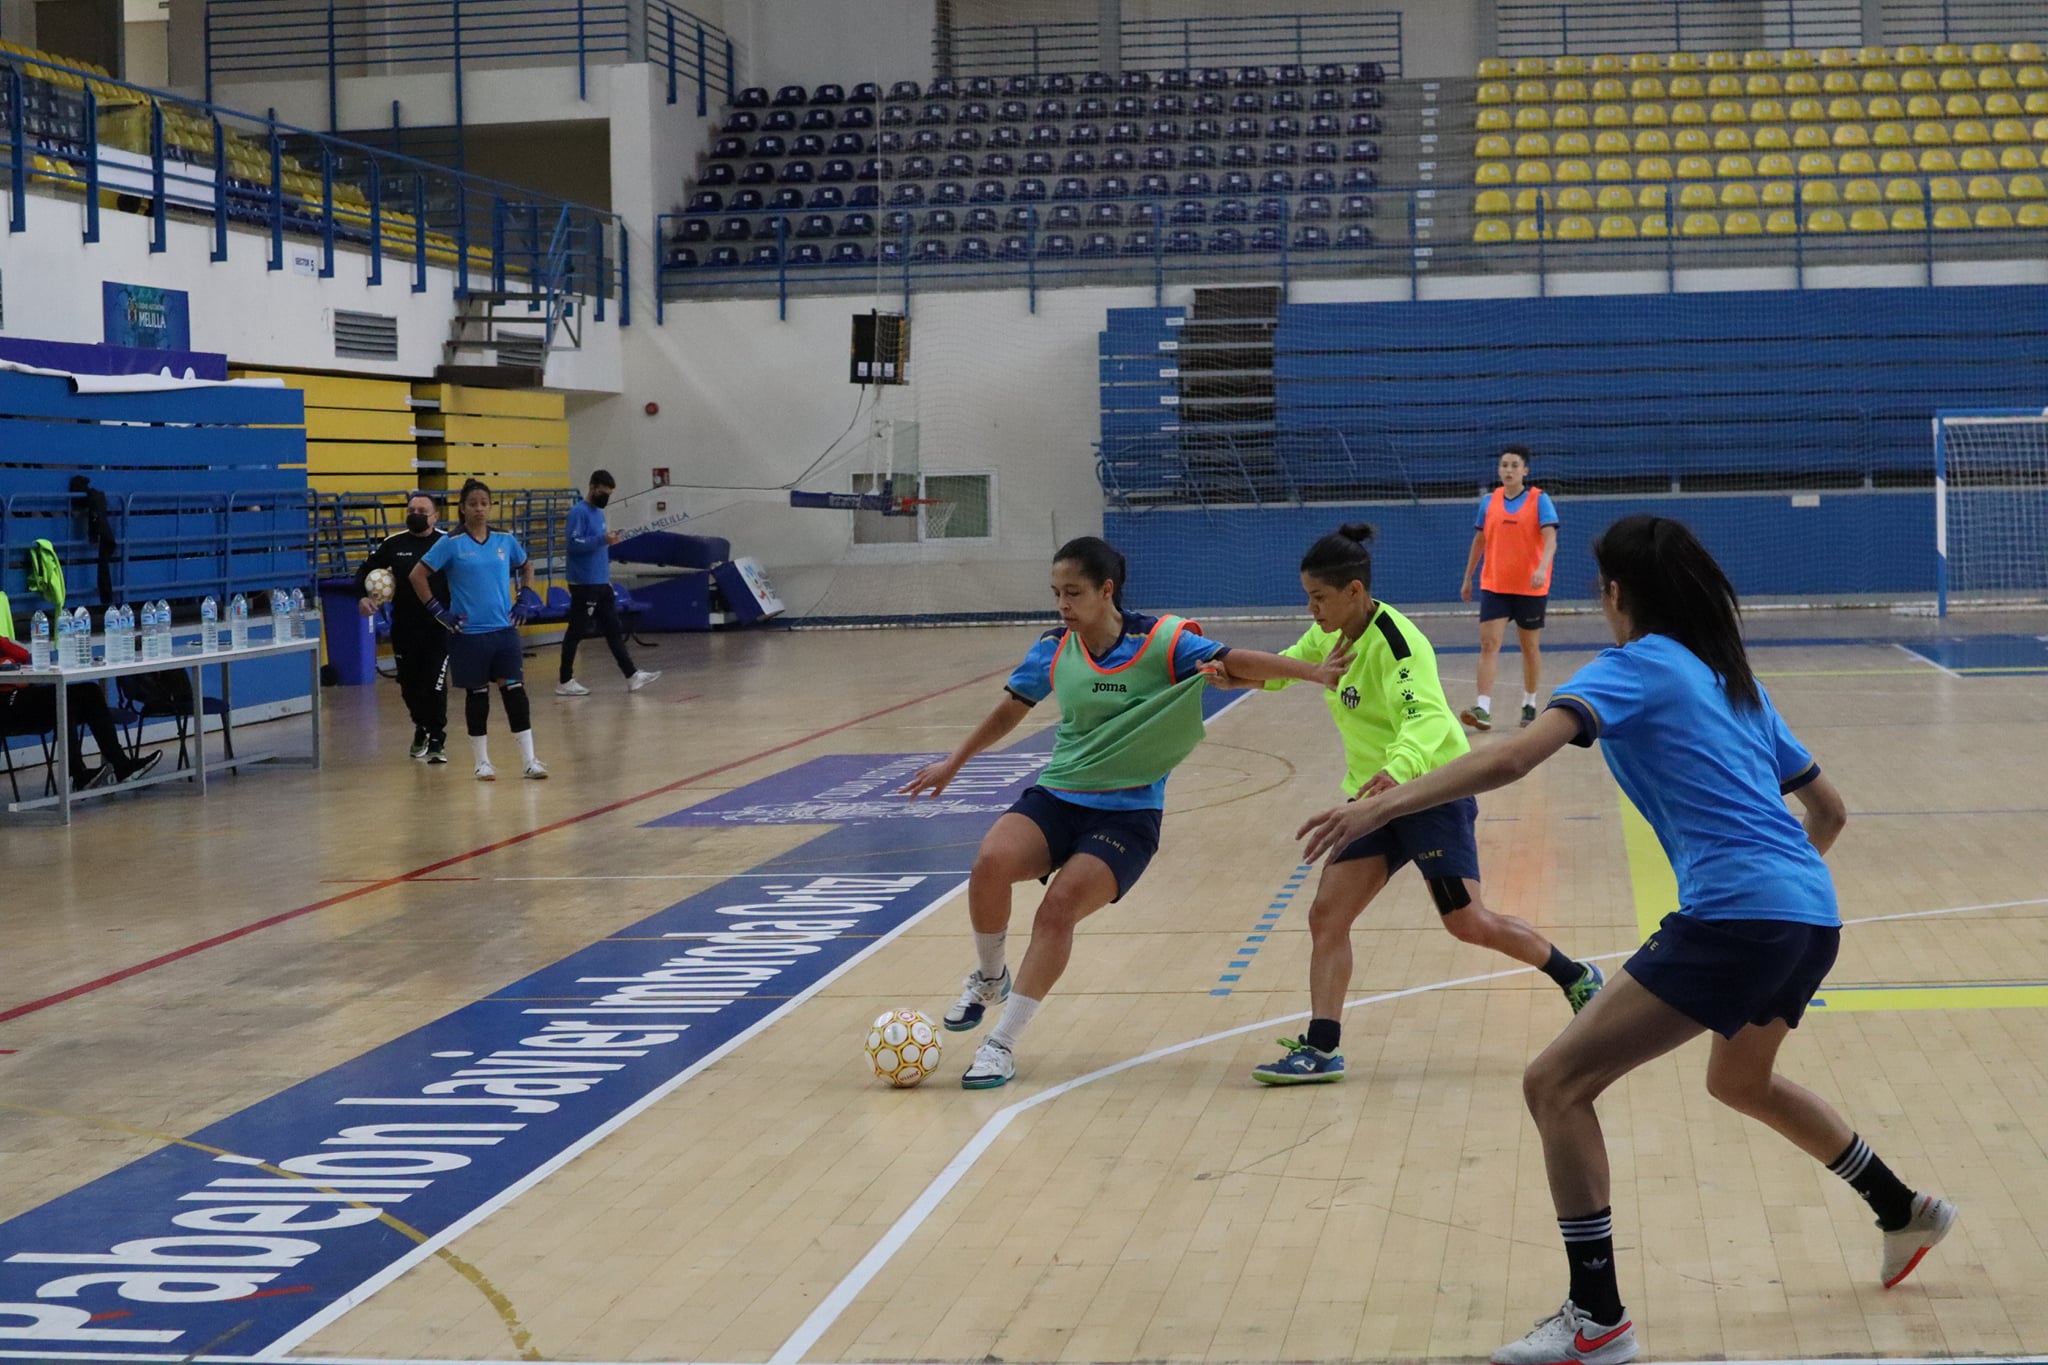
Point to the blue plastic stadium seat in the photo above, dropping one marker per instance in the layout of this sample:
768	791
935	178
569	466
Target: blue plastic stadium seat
897	222
1098	244
791	95
680	258
1153	185
943	88
1363	150
1112	187
889	142
1164	130
1194	183
797	172
1361	178
857	225
779	121
1248	102
819	121
836	170
753	97
1252	77
1080	161
1282	154
905	90
806	253
889	252
1367	73
1134	81
828	197
757	173
742	121
1270	210
1051	111
1123	133
746	201
1367	97
1321	153
1231	211
867	92
949	192
1355	235
1236	154
735	230
848	144
1329	73
864	197
1266	238
1056	83
771	227
705	201
1014	248
1326	99
1182	242
1098	80
927	140
1212	78
1276	182
917	168
1176	80
1170	103
965	140
1325	125
766	254
1226	241
1021	84
1285	102
1037	163
1290	76
877	168
981	87
857	116
990	192
1311	238
807	144
1364	125
998	163
957	166
972	249
933	251
1021	218
982	220
898	116
1070	187
1055	244
1139	243
935	115
1042	135
815	225
1066	216
1160	159
940	220
848	253
973	111
787	200
693	230
1318	180
728	149
1093	107
1084	135
1106	216
723	256
1283	126
1315	206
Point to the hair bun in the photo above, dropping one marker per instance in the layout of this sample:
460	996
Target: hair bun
1360	531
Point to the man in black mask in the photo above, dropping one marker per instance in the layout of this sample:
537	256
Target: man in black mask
418	641
593	607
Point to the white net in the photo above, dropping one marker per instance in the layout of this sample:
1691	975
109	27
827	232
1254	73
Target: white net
1991	501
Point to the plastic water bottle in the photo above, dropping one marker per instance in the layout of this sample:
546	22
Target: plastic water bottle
163	628
151	636
288	623
238	622
39	654
119	637
299	630
209	626
82	620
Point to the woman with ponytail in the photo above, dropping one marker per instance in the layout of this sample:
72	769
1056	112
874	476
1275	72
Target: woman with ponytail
1396	725
1693	740
1129	691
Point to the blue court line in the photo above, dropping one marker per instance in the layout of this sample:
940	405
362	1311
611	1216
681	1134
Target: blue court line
1249	949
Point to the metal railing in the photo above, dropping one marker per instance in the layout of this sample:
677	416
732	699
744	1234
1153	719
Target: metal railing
1962	21
1288	466
301	39
1174	44
347	526
70	131
1543	27
173	545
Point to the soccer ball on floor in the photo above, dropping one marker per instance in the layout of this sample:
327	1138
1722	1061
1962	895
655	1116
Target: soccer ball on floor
903	1045
380	585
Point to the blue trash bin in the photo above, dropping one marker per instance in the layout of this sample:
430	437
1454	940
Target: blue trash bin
351	642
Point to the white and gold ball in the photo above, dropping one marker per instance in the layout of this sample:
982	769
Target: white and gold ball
903	1046
380	586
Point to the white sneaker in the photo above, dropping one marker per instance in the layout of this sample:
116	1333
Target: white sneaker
976	995
1932	1217
485	772
993	1066
535	769
641	679
1567	1337
571	688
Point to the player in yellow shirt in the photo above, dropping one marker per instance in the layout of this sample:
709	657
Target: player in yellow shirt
1396	725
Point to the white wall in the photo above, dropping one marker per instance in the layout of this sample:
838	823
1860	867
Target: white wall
803	42
426	99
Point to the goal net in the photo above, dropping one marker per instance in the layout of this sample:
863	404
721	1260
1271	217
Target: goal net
1991	507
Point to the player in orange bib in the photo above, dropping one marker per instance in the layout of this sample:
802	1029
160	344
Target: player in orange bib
1517	533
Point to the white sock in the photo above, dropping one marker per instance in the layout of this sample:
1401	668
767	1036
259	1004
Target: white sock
1485	703
1017	1016
1528	699
480	745
525	738
989	948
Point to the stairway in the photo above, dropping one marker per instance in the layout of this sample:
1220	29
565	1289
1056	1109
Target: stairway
1227	424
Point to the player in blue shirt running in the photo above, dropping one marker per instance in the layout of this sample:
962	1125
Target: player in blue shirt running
1693	740
484	615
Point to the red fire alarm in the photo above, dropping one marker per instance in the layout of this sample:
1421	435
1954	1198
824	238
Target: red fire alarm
652	408
661	476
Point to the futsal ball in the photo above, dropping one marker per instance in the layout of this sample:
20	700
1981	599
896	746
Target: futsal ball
380	585
903	1045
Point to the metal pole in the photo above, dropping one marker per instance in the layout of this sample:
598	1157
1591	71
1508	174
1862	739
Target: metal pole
660	275
703	95
17	156
781	264
376	221
625	276
419	232
461	156
601	276
326	213
220	191
582	84
206	31
159	233
276	197
333	98
669	19
92	165
728	69
1940	520
1158	256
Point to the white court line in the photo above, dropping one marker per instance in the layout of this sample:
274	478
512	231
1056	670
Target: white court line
276	1350
731	876
905	1227
1922	658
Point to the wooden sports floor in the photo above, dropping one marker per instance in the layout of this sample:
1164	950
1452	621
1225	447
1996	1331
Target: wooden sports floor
173	963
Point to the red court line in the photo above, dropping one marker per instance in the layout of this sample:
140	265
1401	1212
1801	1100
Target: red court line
418	873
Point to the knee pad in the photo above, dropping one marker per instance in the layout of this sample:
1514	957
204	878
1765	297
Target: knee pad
518	709
477	709
1449	893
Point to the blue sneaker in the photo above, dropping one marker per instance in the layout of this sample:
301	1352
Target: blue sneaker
1586	987
975	998
1303	1065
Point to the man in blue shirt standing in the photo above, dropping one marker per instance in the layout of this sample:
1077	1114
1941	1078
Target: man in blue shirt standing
593	609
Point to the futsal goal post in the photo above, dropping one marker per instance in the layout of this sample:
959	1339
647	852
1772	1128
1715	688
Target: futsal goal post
1990	507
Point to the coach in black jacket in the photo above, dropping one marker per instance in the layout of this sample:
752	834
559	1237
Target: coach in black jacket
418	641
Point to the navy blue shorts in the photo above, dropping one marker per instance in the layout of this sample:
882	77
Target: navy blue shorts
1524	609
1124	839
1727	973
1440	841
479	660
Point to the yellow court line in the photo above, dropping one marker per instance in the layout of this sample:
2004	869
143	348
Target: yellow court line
1861	999
1649	872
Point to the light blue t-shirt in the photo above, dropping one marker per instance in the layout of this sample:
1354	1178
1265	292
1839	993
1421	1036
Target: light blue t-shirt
1031	683
1546	515
590	558
479	577
1710	779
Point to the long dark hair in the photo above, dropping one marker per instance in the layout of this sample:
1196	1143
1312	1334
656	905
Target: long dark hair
1341	557
1671	586
1099	562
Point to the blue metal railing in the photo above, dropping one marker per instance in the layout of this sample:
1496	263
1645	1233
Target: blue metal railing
1542	27
695	54
67	129
1171	44
1962	21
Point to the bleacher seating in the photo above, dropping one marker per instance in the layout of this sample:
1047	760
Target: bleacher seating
1194	148
1762	143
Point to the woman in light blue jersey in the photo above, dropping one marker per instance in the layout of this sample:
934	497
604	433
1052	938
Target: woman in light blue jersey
1693	740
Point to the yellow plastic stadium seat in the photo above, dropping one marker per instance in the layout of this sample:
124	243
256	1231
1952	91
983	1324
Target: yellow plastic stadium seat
1795	59
1806	111
1532	173
1963	106
1890	135
1873	56
1943	189
1957	78
1569	116
1731	140
1994	78
1494	146
1607	64
1723	87
1614	168
1994	216
1986	187
1608	88
1616	197
1886	107
1653	140
1977	159
1656	225
1687	87
1836	56
1845	107
1851	135
1868	220
2026	187
1741	224
1531	92
1645	61
1700	225
2003	105
1734	168
1652	197
1686	61
1816	163
1930	135
1697	197
1688	112
1909	218
1695	168
1917	82
1951	54
1575	229
1802	83
1855	163
1575	199
1610	142
1691	140
1840	83
1728	111
1782	222
1937	159
1879	82
1762	83
1987	52
2040	129
1646	88
1492	69
1819	192
1741	195
2024	52
1573	144
1862	192
1653	168
1903	191
1772	140
2018	159
1810	135
1779	193
1490	120
2032	78
1532	144
1532	201
1723	61
1826	220
1531	66
1529	230
1492	92
1568	92
1610	116
1568	66
2032	215
1615	226
1490	201
1532	116
1951	216
1756	59
1492	173
1573	172
1971	132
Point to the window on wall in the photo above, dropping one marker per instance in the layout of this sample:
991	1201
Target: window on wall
964	510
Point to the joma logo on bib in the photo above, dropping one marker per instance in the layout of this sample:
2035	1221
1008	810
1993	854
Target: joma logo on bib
1111	687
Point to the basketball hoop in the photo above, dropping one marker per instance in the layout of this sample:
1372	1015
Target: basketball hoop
938	513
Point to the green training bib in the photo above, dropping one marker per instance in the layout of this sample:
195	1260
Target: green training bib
1126	726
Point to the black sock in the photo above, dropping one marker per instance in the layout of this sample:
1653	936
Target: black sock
1323	1034
1563	971
1886	1194
1589	1247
